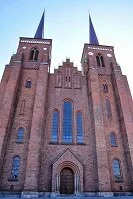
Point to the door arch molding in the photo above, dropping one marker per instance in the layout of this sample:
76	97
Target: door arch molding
67	159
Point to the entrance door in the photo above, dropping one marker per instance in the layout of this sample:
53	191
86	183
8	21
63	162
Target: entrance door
67	181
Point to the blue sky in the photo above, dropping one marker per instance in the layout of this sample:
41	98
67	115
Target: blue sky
66	22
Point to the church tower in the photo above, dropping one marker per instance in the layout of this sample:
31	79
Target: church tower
112	115
69	132
23	103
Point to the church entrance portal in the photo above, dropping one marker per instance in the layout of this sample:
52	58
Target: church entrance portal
67	181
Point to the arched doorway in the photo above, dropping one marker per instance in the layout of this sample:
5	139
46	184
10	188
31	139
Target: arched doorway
67	181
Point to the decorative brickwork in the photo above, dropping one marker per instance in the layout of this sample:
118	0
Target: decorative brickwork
30	95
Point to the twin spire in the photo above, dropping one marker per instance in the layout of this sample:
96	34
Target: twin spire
93	37
40	30
92	34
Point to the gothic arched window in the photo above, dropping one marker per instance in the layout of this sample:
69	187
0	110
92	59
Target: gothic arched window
108	108
80	134
116	169
20	134
100	60
15	168
67	121
55	126
34	54
113	139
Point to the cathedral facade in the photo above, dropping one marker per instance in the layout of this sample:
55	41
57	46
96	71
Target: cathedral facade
70	132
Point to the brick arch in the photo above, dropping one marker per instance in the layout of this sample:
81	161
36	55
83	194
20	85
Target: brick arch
69	164
67	99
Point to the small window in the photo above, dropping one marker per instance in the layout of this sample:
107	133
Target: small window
116	170
34	54
28	84
15	168
100	60
20	135
113	139
105	88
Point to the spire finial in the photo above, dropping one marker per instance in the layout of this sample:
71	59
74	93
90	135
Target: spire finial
40	30
93	37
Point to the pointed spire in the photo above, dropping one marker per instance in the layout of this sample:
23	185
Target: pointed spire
40	30
93	37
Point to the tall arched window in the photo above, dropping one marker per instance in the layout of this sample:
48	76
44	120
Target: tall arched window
34	54
20	134
113	139
108	108
55	126
80	134
116	169
15	168
67	122
100	60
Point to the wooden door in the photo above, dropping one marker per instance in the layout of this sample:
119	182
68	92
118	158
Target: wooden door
67	181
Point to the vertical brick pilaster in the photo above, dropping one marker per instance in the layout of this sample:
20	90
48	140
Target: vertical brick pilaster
8	107
4	82
98	128
31	180
125	111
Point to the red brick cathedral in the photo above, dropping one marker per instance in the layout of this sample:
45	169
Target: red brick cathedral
70	132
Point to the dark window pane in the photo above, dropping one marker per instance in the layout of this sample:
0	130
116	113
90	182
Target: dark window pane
98	61
55	124
34	54
28	84
80	138
67	122
105	88
102	61
31	54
